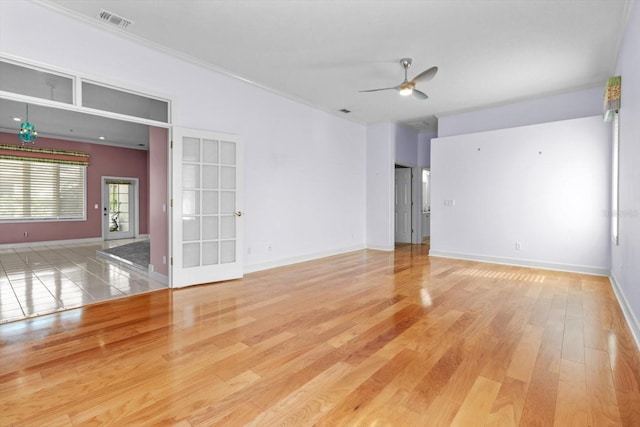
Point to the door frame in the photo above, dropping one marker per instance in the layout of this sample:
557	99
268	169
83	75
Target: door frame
409	171
416	200
136	204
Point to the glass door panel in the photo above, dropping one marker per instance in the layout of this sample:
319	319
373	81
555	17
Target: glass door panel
207	193
119	209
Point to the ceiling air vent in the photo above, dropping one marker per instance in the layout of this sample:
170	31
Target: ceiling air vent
113	19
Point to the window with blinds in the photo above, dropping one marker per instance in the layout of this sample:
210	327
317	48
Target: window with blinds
31	190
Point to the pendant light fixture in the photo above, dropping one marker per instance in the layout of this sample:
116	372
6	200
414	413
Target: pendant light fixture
27	133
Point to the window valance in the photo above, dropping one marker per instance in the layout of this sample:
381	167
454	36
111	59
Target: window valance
43	155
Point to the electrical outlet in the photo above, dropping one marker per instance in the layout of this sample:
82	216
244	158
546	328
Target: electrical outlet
518	246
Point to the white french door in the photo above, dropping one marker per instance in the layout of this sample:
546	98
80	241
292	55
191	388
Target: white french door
207	186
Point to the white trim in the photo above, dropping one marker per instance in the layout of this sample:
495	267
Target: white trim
50	243
80	109
583	269
294	260
381	248
632	321
160	278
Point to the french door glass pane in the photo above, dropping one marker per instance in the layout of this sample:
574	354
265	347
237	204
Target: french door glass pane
227	251
210	151
228	153
209	227
228	227
190	255
209	176
210	253
190	149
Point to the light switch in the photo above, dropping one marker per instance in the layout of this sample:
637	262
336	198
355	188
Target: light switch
95	206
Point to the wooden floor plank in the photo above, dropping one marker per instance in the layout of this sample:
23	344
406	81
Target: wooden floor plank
602	400
507	408
571	404
477	404
363	338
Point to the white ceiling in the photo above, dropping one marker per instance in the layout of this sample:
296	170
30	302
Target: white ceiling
322	52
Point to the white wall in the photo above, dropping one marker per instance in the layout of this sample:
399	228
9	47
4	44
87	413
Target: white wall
545	186
406	141
424	149
625	262
380	186
581	103
305	169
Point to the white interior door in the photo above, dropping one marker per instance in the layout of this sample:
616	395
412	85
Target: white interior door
207	186
403	205
119	207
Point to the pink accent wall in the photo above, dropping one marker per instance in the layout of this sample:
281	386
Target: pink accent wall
104	161
158	200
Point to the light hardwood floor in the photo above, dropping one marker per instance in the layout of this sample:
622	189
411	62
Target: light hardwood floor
362	339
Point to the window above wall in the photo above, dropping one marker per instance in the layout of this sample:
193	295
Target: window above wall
117	101
35	82
47	85
67	105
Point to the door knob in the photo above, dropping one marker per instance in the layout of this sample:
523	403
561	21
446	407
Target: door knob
238	213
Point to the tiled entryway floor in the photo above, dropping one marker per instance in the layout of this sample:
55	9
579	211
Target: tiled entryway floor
45	279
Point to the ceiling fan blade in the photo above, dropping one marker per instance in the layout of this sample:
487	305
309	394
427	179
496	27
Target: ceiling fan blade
418	94
425	75
384	88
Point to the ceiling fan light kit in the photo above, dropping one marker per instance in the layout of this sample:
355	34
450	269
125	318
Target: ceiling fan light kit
408	87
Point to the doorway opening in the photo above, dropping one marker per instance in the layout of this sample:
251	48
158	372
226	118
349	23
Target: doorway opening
426	206
403	204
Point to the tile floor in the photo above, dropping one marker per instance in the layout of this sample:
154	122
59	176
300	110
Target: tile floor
45	279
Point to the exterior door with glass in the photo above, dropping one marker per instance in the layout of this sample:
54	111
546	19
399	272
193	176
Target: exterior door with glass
207	189
119	208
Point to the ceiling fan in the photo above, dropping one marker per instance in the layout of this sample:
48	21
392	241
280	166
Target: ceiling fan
407	87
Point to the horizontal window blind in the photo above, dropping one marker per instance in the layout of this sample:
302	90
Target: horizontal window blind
31	190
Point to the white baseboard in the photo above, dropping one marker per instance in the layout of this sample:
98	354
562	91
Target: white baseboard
50	243
294	260
631	319
381	248
595	271
158	277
